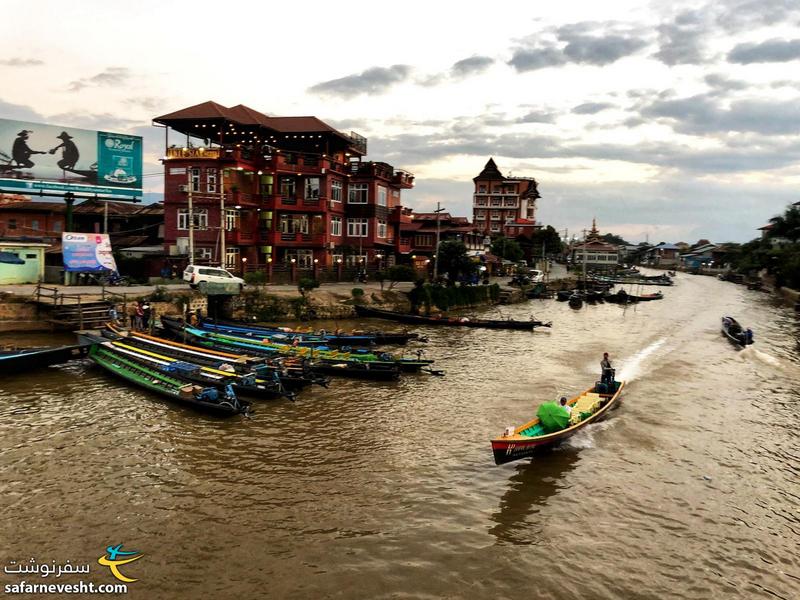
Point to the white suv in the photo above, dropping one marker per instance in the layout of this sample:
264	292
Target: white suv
196	275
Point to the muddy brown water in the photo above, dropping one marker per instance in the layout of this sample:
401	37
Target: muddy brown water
691	489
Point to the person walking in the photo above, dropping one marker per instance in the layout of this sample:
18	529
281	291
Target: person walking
138	317
146	314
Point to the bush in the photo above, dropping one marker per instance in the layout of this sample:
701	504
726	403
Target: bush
357	293
160	294
255	278
306	284
400	273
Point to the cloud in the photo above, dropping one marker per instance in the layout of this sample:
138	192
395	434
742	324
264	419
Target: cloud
702	114
537	116
99	121
740	15
21	62
681	42
591	108
109	77
723	83
372	81
531	59
586	46
19	112
471	66
770	51
148	103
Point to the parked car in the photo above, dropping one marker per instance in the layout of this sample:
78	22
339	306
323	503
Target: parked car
536	276
197	274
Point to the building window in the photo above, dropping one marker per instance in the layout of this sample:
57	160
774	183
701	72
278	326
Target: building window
481	189
496	189
57	226
357	227
12	223
312	188
288	187
303	258
336	225
231	257
200	218
211	180
202	253
395	193
35	224
425	239
336	190
195	179
359	193
355	260
337	259
382	196
480	214
294	224
231	220
381	229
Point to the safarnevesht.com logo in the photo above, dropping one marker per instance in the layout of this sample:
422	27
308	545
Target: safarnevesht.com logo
113	558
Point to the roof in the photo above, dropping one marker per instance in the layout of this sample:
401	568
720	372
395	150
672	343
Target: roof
666	247
204	110
527	222
766	227
32	205
490	171
8	244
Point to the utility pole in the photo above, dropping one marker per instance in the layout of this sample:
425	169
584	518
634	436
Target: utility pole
223	219
105	217
436	247
191	215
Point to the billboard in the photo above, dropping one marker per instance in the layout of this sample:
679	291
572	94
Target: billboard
37	157
87	252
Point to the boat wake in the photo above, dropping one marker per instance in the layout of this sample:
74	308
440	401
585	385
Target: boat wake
585	437
633	367
759	355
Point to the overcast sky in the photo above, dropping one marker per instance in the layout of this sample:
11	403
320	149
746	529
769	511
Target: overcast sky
663	119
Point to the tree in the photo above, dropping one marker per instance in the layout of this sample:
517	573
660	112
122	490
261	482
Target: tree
506	248
400	273
547	238
454	261
306	284
786	225
614	239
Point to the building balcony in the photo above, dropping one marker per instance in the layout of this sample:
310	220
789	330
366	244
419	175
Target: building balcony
299	204
240	238
293	240
401	215
403	179
243	199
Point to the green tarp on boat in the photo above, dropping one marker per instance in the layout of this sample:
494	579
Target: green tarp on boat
552	416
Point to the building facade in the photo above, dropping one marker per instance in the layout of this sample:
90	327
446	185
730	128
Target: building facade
277	190
595	253
504	205
418	235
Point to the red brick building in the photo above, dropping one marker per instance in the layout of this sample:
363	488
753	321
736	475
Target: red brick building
278	190
504	205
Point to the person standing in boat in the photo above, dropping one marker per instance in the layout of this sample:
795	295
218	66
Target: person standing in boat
607	370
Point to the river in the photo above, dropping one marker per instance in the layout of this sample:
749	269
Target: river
690	489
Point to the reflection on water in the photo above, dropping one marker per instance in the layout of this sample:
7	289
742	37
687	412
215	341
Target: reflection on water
534	483
688	490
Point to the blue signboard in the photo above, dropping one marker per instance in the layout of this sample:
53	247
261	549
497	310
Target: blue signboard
87	252
37	157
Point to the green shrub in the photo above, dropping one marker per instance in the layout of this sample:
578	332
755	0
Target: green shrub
306	284
255	278
357	293
400	273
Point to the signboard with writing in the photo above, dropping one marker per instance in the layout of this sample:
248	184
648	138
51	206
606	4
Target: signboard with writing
87	252
35	157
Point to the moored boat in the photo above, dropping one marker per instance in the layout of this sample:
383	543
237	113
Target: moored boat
207	399
588	407
18	360
310	337
364	311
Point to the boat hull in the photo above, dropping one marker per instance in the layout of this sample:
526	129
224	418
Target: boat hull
40	358
364	311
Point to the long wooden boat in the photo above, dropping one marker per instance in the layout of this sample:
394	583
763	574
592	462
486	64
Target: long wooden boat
19	360
364	311
248	384
525	440
310	337
318	356
735	333
206	399
649	297
294	373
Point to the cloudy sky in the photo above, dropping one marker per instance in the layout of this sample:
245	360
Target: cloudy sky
673	120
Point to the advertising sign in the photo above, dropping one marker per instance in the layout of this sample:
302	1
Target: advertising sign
36	157
87	252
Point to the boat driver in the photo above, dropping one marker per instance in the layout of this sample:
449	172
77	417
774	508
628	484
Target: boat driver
607	370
